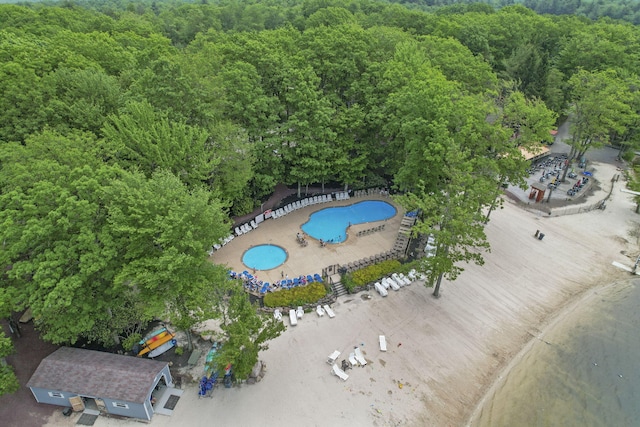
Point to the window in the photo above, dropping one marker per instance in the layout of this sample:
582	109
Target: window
56	394
120	405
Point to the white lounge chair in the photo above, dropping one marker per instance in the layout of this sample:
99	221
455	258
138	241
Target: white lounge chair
385	283
381	290
293	317
339	372
397	279
359	357
253	224
238	231
352	359
246	228
330	312
405	279
331	359
383	342
392	283
299	312
320	311
277	314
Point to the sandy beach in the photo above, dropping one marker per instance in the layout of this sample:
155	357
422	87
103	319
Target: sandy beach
443	354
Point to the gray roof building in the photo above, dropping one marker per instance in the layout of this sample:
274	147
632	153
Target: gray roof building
123	384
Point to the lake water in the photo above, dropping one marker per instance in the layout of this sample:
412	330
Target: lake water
587	373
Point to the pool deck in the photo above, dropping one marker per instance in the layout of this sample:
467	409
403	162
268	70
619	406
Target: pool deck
312	258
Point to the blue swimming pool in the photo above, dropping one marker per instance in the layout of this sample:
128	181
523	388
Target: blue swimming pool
264	257
331	224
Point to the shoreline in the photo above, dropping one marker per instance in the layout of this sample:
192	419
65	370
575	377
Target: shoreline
558	320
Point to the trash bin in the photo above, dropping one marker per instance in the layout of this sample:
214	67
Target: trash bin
67	412
540	236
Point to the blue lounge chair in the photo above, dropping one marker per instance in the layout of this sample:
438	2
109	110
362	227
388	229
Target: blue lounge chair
265	288
309	278
296	282
317	277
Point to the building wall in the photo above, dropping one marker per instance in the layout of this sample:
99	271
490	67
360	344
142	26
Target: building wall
52	397
127	409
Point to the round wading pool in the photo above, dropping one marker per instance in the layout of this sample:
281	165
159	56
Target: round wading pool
264	257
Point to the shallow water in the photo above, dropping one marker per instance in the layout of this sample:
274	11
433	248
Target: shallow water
585	372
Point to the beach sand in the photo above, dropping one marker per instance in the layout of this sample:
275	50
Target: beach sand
443	354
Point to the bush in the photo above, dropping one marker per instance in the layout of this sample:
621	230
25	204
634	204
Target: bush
300	295
371	273
179	351
130	341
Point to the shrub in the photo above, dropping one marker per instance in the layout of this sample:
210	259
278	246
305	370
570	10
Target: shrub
373	272
179	351
300	295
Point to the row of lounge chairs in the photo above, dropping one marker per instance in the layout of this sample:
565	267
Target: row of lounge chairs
221	243
395	282
371	230
299	204
343	195
295	315
245	228
252	284
371	192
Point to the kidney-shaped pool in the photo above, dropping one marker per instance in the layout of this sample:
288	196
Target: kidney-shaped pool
331	224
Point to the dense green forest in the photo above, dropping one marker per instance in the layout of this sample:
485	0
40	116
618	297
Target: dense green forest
131	134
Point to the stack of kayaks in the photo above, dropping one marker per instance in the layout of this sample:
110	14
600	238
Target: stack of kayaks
156	343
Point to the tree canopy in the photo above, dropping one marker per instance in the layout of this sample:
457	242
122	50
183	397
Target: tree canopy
131	134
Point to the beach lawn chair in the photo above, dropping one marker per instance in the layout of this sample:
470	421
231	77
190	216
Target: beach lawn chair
330	312
309	278
359	357
265	288
405	279
293	317
331	359
335	370
392	283
238	231
383	342
320	311
352	359
317	277
381	290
